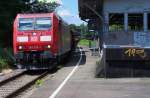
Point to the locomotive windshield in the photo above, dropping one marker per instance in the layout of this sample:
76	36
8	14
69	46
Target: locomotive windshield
35	23
43	23
26	24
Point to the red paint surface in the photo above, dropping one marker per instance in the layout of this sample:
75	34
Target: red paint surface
34	43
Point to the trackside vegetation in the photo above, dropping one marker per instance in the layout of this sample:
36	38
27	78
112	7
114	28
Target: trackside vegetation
84	42
6	58
89	43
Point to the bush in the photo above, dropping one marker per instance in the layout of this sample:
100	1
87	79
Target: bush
3	64
5	60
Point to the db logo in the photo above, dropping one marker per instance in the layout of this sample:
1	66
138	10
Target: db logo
34	38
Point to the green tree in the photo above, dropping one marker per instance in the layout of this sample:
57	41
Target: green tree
42	7
73	27
9	9
84	29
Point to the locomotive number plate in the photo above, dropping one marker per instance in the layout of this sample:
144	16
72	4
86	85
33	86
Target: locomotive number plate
135	52
34	38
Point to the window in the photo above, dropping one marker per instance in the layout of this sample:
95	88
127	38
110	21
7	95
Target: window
116	22
26	24
35	24
43	23
135	22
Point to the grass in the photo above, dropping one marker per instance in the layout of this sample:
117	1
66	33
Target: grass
85	42
39	83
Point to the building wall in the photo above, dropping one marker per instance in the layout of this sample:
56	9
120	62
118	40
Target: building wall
119	6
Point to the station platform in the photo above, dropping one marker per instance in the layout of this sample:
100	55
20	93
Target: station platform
83	84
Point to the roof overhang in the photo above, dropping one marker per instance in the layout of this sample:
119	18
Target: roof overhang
85	6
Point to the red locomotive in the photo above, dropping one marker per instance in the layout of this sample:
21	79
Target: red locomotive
40	38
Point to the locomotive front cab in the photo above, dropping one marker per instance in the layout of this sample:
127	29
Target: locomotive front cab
33	38
34	34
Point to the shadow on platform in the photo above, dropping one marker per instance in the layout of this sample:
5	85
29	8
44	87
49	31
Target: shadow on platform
74	58
123	70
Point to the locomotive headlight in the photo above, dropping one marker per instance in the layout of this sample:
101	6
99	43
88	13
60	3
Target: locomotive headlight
20	47
22	39
33	33
49	46
45	38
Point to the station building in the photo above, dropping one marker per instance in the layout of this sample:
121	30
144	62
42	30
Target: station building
123	27
129	18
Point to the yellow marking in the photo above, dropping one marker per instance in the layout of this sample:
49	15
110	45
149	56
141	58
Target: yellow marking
135	52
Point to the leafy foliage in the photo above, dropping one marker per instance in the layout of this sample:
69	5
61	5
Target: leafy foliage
6	58
3	64
38	7
9	9
83	29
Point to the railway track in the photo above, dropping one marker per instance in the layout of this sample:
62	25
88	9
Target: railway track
13	86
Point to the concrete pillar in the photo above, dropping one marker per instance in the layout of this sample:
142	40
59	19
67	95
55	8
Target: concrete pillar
126	21
145	21
106	27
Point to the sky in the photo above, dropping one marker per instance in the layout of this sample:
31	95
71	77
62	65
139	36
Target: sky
71	5
68	10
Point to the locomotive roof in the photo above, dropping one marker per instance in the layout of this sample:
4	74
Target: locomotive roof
35	15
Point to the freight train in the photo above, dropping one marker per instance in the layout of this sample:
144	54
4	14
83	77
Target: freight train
40	40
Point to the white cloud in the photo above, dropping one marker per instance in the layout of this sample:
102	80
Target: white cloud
67	16
64	13
72	19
